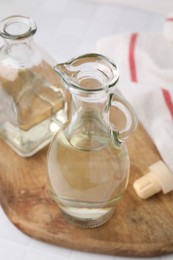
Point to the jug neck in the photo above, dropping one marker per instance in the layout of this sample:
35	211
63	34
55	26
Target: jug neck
89	123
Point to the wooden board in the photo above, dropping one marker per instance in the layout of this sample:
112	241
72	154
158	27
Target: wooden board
138	228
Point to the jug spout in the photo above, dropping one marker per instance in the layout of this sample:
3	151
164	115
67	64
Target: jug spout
62	69
67	72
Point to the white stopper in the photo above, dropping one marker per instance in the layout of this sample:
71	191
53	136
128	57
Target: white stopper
168	28
158	179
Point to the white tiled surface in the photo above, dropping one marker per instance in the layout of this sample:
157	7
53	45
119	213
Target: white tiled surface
67	28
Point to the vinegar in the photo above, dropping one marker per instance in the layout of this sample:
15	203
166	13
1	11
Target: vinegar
87	184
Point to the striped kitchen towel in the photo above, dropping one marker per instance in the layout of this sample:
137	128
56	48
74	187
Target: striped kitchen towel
145	62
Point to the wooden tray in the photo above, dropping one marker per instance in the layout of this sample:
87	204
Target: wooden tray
138	228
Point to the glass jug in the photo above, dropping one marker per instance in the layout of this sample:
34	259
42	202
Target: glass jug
32	99
88	162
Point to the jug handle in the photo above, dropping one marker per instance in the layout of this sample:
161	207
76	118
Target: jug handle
130	116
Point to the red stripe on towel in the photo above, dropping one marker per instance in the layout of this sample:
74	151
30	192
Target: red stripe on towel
168	100
133	72
132	57
170	19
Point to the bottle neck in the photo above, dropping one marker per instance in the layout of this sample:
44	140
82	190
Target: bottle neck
21	53
28	41
19	49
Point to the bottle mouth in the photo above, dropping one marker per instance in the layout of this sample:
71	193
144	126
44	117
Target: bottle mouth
89	73
17	27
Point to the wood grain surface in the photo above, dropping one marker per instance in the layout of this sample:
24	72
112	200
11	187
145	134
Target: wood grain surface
138	228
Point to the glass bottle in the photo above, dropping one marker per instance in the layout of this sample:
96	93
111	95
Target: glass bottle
32	98
88	162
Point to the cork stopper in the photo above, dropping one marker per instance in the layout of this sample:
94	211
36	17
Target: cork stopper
159	178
